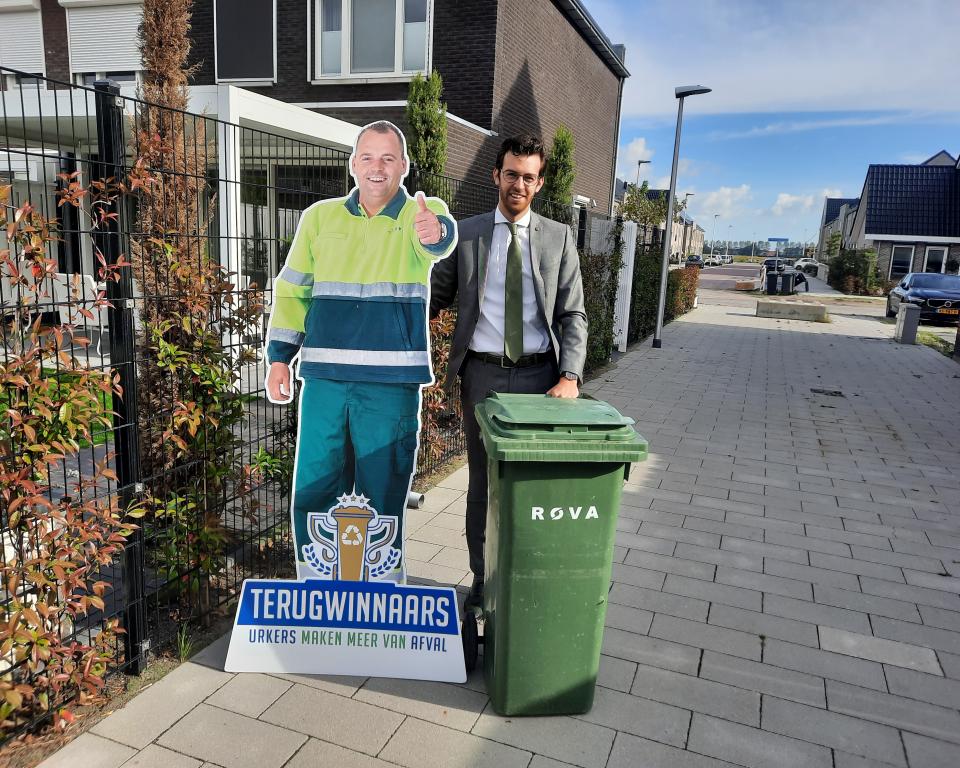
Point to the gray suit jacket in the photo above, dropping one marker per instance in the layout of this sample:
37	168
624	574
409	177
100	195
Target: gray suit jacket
556	277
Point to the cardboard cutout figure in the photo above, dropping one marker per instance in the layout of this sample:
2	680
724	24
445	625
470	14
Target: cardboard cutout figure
349	310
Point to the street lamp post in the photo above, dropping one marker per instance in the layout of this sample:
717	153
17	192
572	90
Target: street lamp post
639	163
680	93
713	232
729	227
686	227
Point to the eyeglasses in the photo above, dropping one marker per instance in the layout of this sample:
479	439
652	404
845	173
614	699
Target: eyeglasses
512	177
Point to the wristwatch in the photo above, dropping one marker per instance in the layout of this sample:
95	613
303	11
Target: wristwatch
570	376
443	230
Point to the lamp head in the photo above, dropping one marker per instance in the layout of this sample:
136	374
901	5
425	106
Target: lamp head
682	91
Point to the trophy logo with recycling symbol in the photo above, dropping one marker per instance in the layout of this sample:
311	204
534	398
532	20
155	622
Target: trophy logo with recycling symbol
351	541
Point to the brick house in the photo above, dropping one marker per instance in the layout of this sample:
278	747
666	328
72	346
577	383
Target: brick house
838	215
507	66
911	215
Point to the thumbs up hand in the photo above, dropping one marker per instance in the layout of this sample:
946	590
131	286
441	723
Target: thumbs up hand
426	222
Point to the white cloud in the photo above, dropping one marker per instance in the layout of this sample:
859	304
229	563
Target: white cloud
628	157
791	203
727	201
829	192
764	57
799	126
914	158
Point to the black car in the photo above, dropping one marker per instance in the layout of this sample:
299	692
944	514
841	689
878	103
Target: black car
938	296
695	260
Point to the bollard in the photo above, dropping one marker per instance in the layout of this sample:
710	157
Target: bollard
908	318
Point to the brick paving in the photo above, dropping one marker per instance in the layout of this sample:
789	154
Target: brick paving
785	587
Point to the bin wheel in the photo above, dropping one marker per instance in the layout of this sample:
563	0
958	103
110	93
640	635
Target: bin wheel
471	642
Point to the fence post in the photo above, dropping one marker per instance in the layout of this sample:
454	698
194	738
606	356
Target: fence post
126	438
581	228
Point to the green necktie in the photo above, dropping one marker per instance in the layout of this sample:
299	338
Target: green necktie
513	299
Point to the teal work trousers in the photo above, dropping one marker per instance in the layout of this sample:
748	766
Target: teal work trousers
354	437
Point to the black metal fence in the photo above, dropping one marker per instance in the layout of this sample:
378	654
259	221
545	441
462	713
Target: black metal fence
142	207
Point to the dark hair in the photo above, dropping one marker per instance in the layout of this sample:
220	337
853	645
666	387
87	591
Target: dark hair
524	144
385	126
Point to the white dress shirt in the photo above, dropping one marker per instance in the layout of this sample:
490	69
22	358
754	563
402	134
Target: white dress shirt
488	336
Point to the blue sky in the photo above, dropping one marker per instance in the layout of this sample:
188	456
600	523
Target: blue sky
806	95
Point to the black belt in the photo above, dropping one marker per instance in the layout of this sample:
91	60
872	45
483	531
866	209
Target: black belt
505	362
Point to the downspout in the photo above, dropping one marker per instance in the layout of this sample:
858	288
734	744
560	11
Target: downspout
616	146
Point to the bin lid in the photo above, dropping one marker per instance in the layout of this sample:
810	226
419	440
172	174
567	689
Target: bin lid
544	428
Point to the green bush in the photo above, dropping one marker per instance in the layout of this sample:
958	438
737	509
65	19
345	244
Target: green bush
600	272
855	272
681	291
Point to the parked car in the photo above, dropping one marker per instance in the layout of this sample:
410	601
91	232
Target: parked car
695	260
938	296
713	261
808	265
776	264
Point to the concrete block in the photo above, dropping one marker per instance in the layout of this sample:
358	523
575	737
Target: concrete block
320	754
815	613
418	744
697	694
158	707
639	716
856	601
832	729
764	624
568	739
616	674
764	583
834	666
659	602
876	649
752	747
231	740
763	678
751	599
325	716
931	753
702	635
898	711
249	694
650	650
633	751
449	705
158	757
90	751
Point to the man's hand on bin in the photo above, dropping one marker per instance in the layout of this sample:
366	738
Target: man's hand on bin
426	223
565	388
278	383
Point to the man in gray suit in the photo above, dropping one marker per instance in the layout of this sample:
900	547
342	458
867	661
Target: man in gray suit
521	325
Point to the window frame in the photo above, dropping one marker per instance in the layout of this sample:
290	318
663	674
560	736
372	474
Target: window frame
893	250
246	81
946	257
396	75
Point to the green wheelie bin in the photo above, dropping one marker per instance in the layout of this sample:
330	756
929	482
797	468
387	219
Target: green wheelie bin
556	471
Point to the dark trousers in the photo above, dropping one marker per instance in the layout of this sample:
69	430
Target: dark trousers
477	380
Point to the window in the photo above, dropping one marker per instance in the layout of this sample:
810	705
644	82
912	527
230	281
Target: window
936	259
901	261
123	79
103	38
364	38
245	41
21	38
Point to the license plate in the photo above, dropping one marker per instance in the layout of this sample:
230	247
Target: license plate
948	311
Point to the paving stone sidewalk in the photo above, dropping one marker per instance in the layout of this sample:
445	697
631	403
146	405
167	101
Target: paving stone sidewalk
785	586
